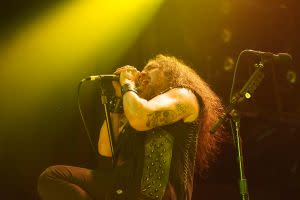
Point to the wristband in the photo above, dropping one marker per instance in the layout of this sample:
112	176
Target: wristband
128	87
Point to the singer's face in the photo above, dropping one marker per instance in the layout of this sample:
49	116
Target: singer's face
151	81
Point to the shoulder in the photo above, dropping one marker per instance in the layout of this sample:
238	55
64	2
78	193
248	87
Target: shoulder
181	92
189	99
183	100
183	96
178	94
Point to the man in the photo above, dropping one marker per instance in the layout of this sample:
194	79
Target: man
162	136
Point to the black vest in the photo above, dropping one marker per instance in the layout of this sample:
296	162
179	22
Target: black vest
131	156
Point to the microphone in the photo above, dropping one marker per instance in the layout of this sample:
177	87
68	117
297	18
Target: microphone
283	58
103	77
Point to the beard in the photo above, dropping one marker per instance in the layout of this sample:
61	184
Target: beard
145	92
149	91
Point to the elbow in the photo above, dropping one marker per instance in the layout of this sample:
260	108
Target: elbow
137	118
138	125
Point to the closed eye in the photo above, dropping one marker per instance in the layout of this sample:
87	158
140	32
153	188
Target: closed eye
150	68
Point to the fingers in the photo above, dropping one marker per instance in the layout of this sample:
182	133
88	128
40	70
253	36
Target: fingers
127	73
125	68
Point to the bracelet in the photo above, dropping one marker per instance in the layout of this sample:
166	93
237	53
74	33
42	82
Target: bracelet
128	87
116	105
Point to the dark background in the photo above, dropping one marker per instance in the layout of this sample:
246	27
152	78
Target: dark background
269	122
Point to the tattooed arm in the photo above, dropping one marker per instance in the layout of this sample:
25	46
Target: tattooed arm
170	107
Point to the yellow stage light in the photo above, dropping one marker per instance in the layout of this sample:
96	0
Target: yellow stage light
66	41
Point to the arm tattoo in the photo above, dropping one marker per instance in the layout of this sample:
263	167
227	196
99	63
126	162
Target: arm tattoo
163	117
160	117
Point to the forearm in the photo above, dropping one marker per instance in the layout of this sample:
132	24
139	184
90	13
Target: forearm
134	108
104	147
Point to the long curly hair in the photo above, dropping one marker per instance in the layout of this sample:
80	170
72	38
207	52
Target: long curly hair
180	75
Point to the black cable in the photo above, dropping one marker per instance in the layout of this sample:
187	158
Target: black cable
232	87
234	75
231	94
82	118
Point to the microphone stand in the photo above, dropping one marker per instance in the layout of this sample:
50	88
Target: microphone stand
232	114
108	121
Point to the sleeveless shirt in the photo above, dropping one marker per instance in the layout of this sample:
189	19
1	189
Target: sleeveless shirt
130	159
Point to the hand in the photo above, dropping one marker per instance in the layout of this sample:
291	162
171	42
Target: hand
128	74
